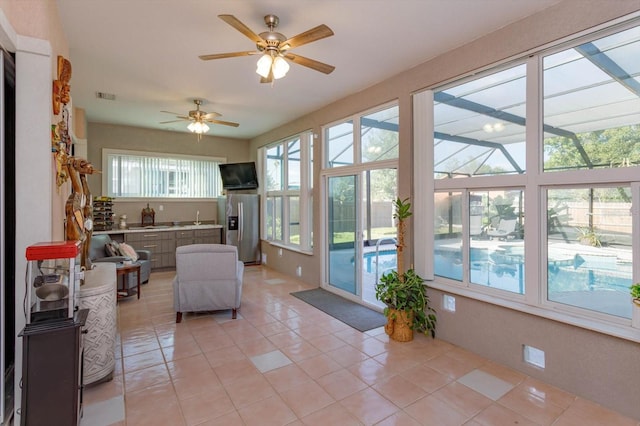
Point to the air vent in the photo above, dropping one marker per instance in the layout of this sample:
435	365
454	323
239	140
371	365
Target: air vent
107	96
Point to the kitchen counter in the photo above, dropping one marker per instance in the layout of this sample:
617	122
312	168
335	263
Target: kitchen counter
135	229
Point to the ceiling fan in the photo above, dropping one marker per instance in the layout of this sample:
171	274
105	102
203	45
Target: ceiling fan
274	48
199	119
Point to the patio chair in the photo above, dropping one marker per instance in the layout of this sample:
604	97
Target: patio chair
506	228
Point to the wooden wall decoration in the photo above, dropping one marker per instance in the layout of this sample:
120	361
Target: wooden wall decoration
61	87
60	139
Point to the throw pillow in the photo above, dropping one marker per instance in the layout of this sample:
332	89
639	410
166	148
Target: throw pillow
128	251
111	249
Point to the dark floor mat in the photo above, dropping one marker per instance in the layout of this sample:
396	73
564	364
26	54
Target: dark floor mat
357	316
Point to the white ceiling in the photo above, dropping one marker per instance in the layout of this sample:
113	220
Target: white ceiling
146	53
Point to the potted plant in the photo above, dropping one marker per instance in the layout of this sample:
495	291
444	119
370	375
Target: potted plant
635	293
404	292
588	237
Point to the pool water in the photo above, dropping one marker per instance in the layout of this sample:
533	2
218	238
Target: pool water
387	260
577	281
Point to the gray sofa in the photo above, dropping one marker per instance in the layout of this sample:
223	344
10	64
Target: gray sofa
98	253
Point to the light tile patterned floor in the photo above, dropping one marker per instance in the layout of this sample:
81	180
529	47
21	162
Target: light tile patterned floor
283	362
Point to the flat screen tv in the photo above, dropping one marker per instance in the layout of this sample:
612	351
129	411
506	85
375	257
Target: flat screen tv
236	176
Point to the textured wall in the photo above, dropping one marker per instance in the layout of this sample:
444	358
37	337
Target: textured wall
590	364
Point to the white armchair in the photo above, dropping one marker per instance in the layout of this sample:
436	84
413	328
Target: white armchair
208	278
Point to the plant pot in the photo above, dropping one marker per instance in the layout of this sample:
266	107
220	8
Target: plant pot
636	301
399	325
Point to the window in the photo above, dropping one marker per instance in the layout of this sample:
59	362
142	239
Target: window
580	187
480	126
447	251
496	231
479	131
288	177
589	249
339	145
591	104
495	254
376	141
591	121
129	174
379	135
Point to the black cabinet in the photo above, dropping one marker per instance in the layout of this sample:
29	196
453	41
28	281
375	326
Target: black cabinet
52	372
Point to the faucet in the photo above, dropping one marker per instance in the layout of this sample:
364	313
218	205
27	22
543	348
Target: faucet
197	222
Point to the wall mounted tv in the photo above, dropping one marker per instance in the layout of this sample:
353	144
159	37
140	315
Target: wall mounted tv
236	176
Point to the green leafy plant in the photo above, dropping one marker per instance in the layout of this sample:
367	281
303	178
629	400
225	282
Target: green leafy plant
635	291
589	237
405	290
407	293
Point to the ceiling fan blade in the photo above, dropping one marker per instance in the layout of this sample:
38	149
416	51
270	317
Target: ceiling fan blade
178	116
310	63
211	115
235	23
226	55
225	123
170	121
317	33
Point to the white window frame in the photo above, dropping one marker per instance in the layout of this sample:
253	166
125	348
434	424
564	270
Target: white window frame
534	182
356	123
106	176
304	193
357	168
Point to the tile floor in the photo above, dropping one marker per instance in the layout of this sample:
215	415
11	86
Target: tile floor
283	362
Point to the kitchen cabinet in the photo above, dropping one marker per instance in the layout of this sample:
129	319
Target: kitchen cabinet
161	244
198	236
184	238
163	240
207	236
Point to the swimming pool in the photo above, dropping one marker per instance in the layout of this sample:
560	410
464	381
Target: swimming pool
386	260
589	280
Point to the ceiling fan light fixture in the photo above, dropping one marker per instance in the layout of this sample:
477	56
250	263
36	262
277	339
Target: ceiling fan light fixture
280	67
198	127
264	65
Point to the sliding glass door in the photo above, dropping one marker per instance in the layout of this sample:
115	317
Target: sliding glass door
360	231
359	175
378	229
342	232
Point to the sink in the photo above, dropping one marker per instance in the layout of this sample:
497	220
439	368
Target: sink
150	227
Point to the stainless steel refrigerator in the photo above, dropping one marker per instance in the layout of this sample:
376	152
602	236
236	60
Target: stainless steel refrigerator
240	216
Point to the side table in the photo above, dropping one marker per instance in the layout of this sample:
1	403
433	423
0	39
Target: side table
125	270
98	295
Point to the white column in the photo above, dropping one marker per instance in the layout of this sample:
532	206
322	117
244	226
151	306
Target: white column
33	167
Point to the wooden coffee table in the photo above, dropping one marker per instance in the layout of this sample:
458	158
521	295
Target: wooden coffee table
125	270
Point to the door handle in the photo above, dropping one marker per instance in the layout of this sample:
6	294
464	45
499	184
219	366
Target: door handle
240	221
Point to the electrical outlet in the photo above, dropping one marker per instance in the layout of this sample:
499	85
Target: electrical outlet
264	258
299	271
449	303
161	207
280	252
